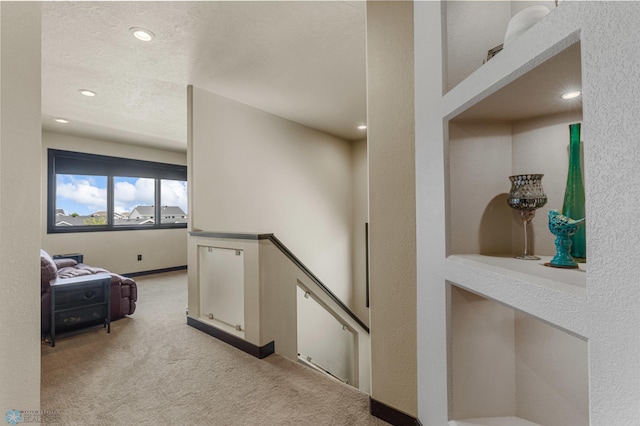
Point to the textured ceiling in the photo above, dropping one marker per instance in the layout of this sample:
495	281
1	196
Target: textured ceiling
302	60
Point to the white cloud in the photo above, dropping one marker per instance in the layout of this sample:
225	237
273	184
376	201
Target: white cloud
174	193
127	196
84	192
124	192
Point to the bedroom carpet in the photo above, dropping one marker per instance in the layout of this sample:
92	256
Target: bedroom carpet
153	369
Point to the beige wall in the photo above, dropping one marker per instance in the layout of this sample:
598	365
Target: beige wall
552	374
19	206
360	190
392	204
257	172
431	240
115	251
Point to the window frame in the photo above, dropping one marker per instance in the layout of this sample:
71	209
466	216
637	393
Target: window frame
80	163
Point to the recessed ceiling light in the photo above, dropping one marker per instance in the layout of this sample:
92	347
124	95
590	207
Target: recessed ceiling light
62	120
86	92
142	34
571	95
362	127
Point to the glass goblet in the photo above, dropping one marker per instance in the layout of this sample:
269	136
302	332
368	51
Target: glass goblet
526	196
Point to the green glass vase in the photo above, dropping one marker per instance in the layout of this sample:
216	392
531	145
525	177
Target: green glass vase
573	206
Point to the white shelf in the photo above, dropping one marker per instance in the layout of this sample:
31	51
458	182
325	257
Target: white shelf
523	82
554	295
493	421
541	88
535	68
487	134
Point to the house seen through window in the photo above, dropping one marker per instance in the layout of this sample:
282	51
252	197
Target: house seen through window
102	197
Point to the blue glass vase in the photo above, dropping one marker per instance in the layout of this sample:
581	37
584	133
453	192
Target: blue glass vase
573	205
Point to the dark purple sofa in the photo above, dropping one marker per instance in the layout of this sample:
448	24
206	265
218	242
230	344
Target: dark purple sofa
124	292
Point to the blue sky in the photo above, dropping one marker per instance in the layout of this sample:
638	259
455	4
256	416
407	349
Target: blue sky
88	194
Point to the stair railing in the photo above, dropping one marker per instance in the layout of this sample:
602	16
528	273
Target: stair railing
271	278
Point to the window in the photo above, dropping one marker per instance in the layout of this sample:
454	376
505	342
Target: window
173	199
81	200
133	201
88	192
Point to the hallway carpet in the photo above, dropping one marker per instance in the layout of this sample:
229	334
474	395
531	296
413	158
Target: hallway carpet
153	369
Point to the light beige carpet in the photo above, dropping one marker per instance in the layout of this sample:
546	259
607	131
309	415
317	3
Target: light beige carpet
153	369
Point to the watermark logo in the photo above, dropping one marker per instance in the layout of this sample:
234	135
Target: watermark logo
13	417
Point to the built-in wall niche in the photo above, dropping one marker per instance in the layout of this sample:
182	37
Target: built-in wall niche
482	156
521	128
472	29
509	368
